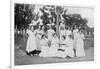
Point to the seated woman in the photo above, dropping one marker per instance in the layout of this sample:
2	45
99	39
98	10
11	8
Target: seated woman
44	47
62	48
66	47
54	46
69	49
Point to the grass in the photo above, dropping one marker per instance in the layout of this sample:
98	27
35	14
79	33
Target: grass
20	46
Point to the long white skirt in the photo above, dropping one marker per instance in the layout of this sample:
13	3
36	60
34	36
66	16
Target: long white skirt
31	44
44	51
80	52
68	52
53	50
75	42
50	37
38	43
61	53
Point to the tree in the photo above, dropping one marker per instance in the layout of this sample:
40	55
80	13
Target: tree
73	20
23	15
51	13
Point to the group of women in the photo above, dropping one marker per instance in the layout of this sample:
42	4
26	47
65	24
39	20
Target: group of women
70	43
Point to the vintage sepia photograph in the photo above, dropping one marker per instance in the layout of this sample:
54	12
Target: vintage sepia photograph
45	34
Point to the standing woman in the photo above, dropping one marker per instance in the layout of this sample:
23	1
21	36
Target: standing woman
31	41
50	33
38	36
75	34
80	52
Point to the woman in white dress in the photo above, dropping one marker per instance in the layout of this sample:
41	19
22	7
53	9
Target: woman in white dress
50	33
54	46
69	48
38	33
80	52
66	48
68	32
44	47
62	32
61	51
75	34
31	41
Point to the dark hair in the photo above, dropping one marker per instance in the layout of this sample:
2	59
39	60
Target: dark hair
71	36
61	28
64	37
54	34
81	29
66	27
43	36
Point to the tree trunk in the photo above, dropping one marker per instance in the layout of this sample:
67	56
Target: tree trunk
57	27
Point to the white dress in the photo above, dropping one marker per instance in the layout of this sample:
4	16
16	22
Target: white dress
54	47
38	37
61	25
31	42
44	48
62	54
68	32
76	35
50	34
62	32
69	49
80	52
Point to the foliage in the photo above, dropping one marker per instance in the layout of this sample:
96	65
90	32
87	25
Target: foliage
23	15
51	14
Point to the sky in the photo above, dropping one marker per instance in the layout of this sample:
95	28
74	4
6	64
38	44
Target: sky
87	13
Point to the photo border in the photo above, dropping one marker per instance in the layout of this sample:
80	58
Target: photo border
12	66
